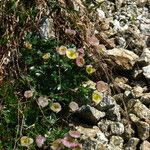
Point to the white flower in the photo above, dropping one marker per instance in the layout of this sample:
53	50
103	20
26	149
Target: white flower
40	140
28	94
43	101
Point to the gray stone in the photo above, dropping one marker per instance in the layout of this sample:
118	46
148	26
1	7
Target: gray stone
117	128
88	115
134	118
137	91
141	110
145	29
132	144
102	138
47	29
116	141
146	71
145	57
145	99
143	130
104	126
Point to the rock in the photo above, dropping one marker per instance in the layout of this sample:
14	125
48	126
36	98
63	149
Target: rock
146	71
143	130
141	3
132	144
108	102
104	126
101	14
129	132
102	138
137	73
134	118
111	108
145	57
145	99
117	128
137	91
114	113
123	57
145	29
145	145
87	115
47	28
121	41
118	3
90	144
88	132
141	110
121	80
117	142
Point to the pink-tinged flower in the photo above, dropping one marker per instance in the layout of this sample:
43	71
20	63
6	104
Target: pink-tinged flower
70	32
40	140
56	145
93	40
62	50
28	94
75	134
43	101
80	61
69	144
81	51
73	106
101	86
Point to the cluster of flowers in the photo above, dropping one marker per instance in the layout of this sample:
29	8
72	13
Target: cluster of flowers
69	141
27	141
78	55
43	101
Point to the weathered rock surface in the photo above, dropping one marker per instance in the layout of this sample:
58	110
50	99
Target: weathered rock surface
146	71
123	57
143	130
141	110
87	114
132	144
145	145
117	128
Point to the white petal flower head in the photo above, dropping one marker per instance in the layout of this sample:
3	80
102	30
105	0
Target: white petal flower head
73	106
43	101
28	94
56	107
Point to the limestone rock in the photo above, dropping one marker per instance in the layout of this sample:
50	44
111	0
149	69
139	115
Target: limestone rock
137	91
141	110
145	145
117	128
146	71
88	132
132	144
145	57
145	98
87	115
123	57
143	130
117	141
